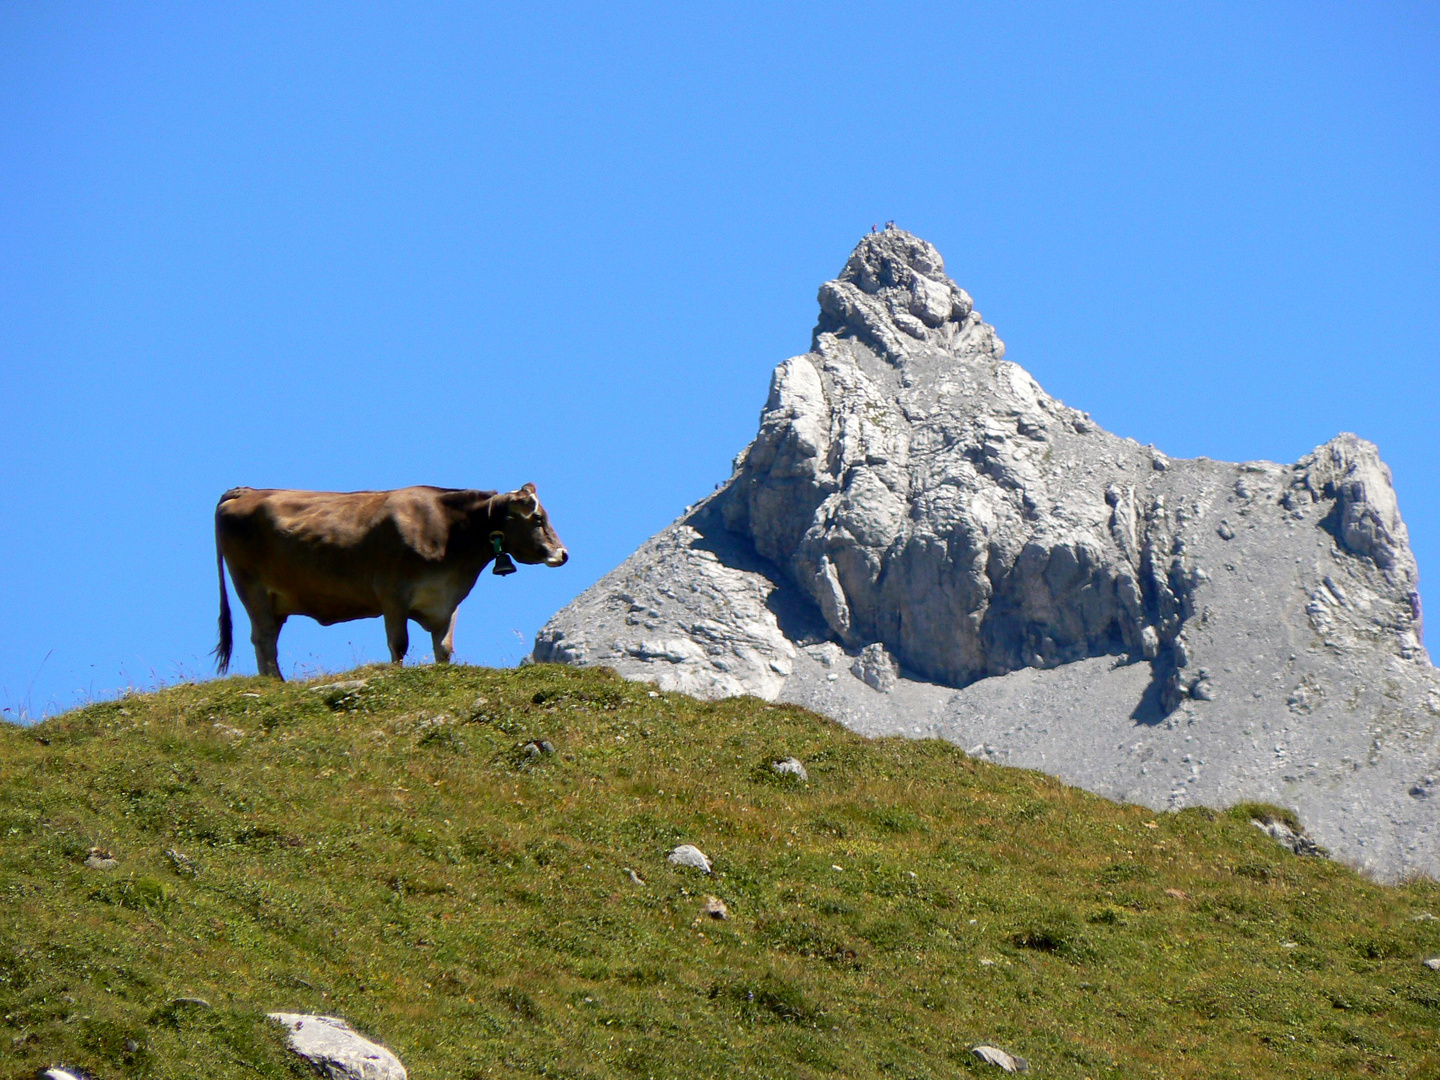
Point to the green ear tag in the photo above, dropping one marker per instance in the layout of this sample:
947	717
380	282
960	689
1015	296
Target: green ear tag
503	563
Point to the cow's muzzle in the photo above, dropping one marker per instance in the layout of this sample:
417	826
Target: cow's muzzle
560	558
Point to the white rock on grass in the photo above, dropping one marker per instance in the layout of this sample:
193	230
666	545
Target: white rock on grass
1010	1063
337	1050
100	859
689	855
58	1073
1433	963
790	767
342	687
1286	837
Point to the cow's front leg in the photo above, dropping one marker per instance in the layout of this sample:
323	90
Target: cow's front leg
397	636
445	639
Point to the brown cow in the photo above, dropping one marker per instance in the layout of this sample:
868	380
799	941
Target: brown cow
413	553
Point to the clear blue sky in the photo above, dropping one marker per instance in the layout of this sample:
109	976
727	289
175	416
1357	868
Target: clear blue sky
362	246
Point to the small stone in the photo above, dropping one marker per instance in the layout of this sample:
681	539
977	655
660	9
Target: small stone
1225	532
691	856
426	723
341	696
345	686
1177	894
790	767
1009	1063
715	908
634	877
1159	462
1202	690
537	747
100	859
876	668
58	1073
1282	834
337	1050
1433	963
181	863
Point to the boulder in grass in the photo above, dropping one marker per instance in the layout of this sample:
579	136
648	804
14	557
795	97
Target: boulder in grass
337	1050
1010	1063
691	856
790	767
1286	837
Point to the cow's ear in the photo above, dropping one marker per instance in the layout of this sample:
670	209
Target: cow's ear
524	501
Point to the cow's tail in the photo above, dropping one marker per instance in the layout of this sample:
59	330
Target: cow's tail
227	630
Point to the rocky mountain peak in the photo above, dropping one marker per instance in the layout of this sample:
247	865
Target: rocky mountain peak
892	292
917	525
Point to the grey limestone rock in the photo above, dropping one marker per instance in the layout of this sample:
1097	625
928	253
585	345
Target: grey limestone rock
1287	837
790	767
337	1050
100	859
916	515
691	856
1007	1062
181	863
876	668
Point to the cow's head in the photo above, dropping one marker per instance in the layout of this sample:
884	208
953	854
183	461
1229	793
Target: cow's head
528	535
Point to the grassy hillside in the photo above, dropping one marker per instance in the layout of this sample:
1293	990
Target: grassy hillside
393	855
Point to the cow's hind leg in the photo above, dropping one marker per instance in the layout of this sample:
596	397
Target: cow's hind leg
267	647
444	638
397	635
264	624
265	636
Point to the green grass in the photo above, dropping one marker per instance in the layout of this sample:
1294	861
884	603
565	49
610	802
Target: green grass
471	906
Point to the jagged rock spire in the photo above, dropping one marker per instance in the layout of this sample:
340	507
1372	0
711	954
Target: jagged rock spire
892	293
